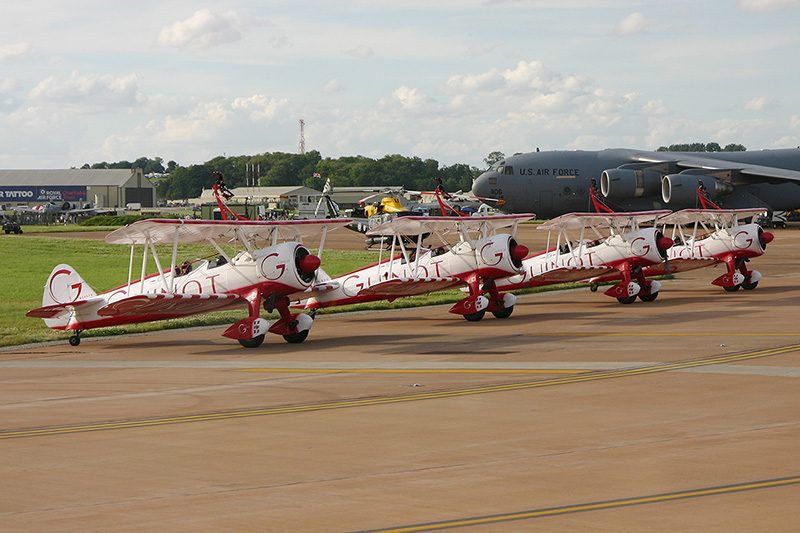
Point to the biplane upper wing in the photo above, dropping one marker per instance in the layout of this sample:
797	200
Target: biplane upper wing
186	231
396	287
414	225
574	221
170	305
722	216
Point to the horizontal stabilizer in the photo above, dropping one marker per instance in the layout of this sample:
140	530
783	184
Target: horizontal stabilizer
411	286
52	311
170	305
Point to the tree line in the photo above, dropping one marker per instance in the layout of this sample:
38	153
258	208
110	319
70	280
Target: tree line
702	147
311	170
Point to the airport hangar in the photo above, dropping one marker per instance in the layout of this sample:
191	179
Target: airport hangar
103	188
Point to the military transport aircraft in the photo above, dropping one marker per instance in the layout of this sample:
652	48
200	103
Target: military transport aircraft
480	255
554	183
281	268
611	245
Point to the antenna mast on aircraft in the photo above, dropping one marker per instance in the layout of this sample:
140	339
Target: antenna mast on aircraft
302	137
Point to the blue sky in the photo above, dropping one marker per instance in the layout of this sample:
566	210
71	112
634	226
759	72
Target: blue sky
89	81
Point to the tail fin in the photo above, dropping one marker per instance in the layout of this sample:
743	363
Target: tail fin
65	286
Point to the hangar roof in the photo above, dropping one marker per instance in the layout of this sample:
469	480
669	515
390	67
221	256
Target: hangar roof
74	176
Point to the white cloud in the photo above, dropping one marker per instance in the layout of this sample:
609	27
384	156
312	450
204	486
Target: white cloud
333	86
759	103
92	92
260	107
360	52
410	99
766	5
202	30
633	24
16	52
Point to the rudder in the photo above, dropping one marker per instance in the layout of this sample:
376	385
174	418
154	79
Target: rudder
65	286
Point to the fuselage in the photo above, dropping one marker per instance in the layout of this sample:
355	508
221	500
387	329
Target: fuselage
486	258
557	182
738	242
271	270
635	249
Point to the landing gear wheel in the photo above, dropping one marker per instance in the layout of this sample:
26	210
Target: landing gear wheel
732	289
627	300
474	317
593	287
296	338
648	297
749	286
255	342
74	340
504	312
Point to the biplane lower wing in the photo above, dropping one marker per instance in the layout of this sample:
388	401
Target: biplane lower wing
680	264
172	305
569	274
398	287
565	274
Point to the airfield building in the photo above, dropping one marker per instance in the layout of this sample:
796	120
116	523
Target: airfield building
102	188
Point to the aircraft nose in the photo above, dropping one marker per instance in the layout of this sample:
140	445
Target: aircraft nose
480	186
765	238
309	263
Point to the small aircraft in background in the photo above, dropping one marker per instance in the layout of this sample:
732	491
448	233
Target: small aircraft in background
612	245
271	266
480	255
393	205
709	237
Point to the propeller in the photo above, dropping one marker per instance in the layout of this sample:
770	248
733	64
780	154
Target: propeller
306	264
518	252
663	244
764	238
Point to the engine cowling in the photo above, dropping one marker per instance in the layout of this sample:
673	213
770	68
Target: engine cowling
681	189
499	256
623	183
288	263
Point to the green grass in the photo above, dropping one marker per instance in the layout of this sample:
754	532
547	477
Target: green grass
29	260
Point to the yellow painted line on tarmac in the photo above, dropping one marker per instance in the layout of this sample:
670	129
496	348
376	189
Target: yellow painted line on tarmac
416	370
385	400
594	506
657	334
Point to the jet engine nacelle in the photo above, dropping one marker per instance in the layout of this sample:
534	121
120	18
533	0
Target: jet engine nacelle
499	256
681	189
624	183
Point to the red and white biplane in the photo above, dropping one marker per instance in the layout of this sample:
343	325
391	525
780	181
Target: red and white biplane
709	237
270	266
479	256
607	244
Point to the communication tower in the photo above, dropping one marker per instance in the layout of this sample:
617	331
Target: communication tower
302	137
